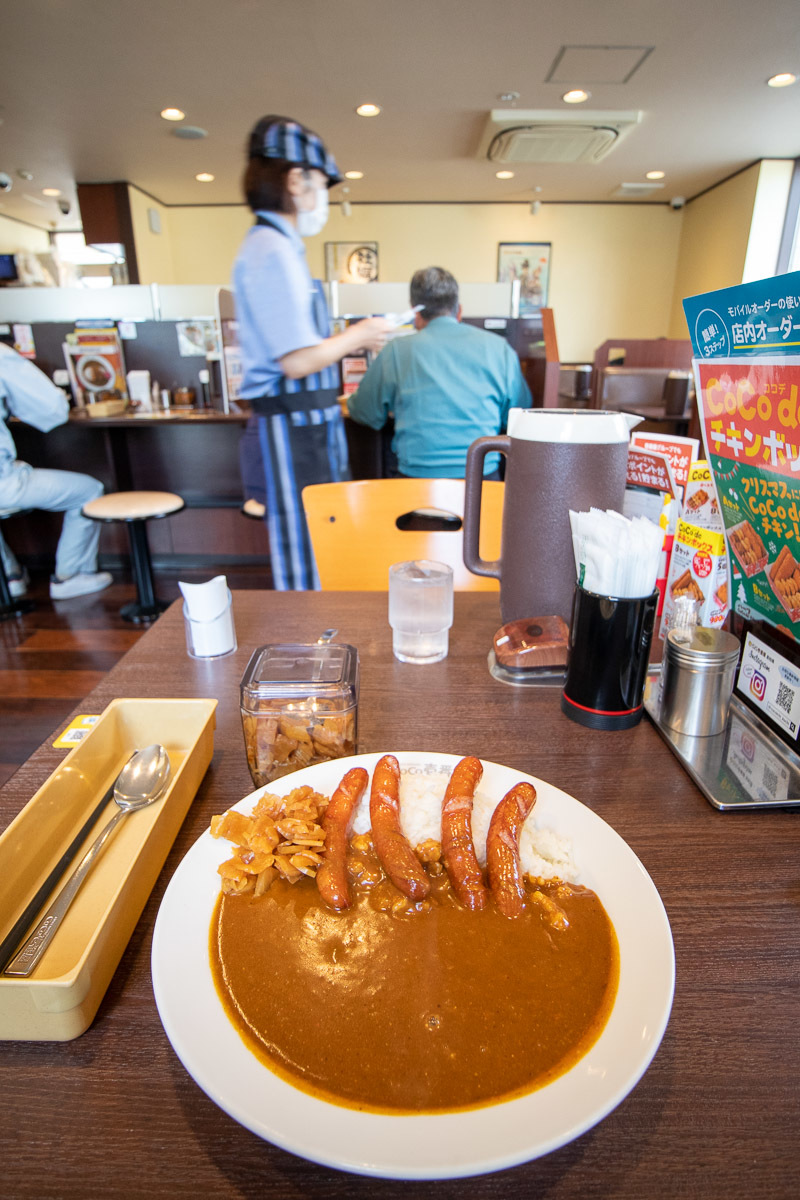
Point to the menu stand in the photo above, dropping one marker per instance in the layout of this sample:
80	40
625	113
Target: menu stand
745	766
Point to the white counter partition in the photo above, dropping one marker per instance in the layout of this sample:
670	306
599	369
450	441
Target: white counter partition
183	302
367	299
485	299
29	304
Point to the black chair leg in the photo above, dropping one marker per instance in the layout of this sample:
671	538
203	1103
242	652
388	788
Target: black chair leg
11	606
147	606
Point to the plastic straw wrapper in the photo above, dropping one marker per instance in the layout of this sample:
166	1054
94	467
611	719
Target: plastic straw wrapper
615	555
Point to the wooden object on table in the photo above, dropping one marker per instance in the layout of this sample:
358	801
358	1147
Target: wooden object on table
532	643
356	529
714	1115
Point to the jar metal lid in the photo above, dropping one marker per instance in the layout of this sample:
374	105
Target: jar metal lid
702	648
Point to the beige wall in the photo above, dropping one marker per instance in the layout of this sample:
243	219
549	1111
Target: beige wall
153	250
613	266
16	238
205	241
716	231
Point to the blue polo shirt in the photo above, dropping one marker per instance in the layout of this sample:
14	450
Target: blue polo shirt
279	309
446	386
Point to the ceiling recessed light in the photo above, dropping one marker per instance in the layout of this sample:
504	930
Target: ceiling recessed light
368	110
504	174
508	97
575	96
785	79
354	174
654	175
204	177
172	114
51	191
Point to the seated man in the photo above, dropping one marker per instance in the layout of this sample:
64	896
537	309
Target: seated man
27	393
446	385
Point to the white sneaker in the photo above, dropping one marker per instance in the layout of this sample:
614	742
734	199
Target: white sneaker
18	584
81	584
254	508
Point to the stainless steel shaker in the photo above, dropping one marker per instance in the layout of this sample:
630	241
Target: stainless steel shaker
697	679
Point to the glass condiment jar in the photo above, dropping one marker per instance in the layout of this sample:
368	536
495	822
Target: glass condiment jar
299	707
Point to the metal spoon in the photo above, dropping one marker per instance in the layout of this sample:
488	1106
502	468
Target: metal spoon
141	781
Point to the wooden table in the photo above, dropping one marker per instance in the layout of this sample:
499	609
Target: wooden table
115	1114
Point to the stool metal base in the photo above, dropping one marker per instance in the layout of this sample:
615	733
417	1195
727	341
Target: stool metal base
141	614
147	606
15	608
12	606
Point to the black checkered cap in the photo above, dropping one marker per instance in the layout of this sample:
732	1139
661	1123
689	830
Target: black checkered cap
278	137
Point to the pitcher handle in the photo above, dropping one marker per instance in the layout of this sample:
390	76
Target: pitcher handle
473	486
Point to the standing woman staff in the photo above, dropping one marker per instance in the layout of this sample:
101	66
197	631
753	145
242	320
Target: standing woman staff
288	354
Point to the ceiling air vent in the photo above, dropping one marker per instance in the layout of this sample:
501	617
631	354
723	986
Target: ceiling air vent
635	191
515	136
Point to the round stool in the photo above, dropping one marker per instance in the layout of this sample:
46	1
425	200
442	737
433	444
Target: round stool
11	606
135	509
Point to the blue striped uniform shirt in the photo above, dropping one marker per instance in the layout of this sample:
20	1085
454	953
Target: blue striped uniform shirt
279	308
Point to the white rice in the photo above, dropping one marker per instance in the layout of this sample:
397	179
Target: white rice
543	853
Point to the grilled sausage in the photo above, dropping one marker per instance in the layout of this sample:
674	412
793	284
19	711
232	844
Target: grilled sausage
392	847
332	874
502	848
458	848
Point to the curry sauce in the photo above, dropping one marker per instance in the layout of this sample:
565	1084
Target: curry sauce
396	1007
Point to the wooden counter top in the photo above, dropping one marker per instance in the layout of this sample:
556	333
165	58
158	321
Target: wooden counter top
205	416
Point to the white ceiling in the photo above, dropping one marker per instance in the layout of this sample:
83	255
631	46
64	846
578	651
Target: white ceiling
82	83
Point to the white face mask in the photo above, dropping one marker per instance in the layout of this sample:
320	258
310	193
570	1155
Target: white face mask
313	221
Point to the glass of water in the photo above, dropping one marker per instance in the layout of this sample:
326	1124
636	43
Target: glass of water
420	610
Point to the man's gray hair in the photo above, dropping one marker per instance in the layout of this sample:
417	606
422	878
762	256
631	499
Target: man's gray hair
437	290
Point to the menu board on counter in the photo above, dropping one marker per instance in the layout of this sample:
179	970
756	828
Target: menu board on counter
746	342
95	362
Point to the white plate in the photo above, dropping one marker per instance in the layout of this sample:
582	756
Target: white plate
442	1145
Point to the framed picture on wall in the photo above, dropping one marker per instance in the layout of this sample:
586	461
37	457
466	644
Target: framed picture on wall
351	262
529	262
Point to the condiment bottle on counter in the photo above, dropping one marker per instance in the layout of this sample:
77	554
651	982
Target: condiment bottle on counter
205	388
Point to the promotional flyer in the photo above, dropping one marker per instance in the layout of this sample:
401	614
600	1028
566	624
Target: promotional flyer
747	372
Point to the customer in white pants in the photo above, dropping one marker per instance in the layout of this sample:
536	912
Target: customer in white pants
27	393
